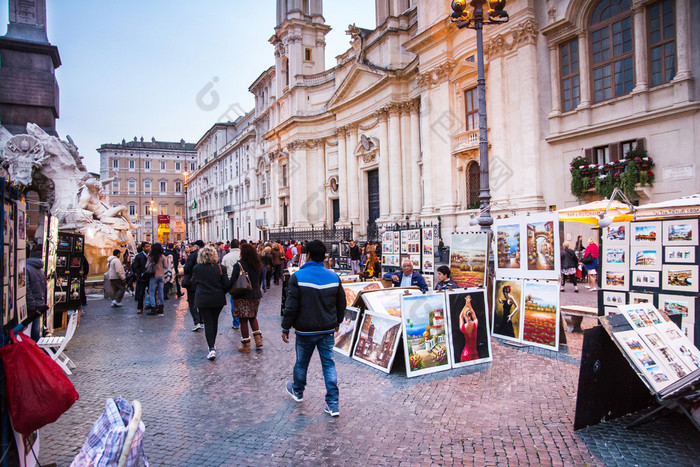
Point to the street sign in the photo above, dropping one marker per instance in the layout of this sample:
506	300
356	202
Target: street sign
163	219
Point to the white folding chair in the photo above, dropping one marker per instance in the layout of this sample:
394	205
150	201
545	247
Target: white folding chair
55	346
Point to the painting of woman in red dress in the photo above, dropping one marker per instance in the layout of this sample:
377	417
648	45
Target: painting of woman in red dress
468	324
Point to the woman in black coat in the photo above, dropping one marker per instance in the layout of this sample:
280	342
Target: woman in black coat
246	307
210	281
569	264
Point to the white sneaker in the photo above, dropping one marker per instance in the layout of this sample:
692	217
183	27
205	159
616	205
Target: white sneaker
201	325
211	355
116	303
196	327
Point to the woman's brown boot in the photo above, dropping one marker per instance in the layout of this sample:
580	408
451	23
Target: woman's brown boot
245	346
257	335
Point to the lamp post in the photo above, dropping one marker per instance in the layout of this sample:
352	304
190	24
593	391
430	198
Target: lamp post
153	228
474	18
187	213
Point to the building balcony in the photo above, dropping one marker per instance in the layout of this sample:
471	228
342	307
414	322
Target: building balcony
261	222
228	208
465	141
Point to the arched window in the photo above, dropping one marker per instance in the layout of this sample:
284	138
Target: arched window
612	49
473	185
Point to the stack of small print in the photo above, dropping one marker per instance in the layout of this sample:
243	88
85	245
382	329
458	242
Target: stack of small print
663	356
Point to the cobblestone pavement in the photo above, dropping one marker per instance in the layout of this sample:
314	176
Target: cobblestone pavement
517	410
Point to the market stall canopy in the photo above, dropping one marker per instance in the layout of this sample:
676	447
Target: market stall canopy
590	213
687	206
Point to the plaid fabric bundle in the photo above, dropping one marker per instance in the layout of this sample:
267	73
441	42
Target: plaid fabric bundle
106	439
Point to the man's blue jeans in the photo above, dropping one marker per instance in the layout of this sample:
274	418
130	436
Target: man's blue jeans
305	346
156	286
236	322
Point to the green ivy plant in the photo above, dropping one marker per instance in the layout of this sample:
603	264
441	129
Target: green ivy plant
625	174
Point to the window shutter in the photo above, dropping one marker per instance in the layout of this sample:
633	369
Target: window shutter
588	154
614	152
640	143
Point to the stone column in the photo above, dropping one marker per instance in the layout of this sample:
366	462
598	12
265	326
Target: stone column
342	177
384	192
415	160
322	179
395	172
426	141
298	196
640	49
683	40
274	192
353	178
554	72
409	183
584	67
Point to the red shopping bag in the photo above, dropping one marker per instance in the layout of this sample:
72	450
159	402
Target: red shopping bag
38	391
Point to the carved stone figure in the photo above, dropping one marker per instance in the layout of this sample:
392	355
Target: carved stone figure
54	169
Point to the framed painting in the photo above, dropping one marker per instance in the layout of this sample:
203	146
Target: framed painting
353	289
74	293
611	310
682	232
616	234
345	335
646	258
681	278
377	341
542	242
645	234
65	243
429	280
541	314
506	316
468	259
645	279
679	254
21	224
637	298
387	301
683	304
508	247
614	298
468	328
615	257
617	279
424	323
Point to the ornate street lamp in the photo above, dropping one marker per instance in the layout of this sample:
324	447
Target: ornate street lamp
474	17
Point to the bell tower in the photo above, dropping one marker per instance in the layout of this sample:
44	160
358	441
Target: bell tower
299	40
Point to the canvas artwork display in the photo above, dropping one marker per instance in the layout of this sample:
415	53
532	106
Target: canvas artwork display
428	260
654	373
508	241
345	334
425	334
79	245
646	234
541	314
65	243
646	258
335	249
468	328
390	260
653	337
682	304
344	249
679	254
637	298
21	224
6	223
404	242
52	241
645	279
74	289
681	344
541	254
611	310
21	273
468	255
615	256
387	301
616	234
614	298
429	281
506	316
75	262
682	278
60	297
680	232
353	289
616	279
388	243
377	341
415	260
5	305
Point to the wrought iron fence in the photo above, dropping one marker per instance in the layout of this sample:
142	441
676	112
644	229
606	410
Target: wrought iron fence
327	236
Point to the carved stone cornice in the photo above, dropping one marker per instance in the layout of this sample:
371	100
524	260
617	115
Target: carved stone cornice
436	75
341	131
524	33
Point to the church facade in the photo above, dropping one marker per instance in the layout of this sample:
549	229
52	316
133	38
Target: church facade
389	134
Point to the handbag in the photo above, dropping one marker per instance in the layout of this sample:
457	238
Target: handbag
150	269
588	259
38	391
242	285
186	281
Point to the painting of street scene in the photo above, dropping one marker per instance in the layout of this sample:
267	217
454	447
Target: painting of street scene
468	328
377	342
541	304
615	233
346	331
508	246
352	289
468	259
386	301
680	233
425	334
540	246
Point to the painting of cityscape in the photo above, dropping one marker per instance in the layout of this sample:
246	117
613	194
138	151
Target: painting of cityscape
541	319
682	278
378	340
616	233
425	334
468	328
346	331
681	232
508	237
684	305
353	289
648	258
540	246
468	253
646	233
386	301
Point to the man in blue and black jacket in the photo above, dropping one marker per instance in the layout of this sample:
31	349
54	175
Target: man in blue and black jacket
315	307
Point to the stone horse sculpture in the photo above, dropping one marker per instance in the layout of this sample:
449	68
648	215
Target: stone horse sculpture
54	169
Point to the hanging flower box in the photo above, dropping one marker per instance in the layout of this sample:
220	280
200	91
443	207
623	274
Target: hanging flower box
627	174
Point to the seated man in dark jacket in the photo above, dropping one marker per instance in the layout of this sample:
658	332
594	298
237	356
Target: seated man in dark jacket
408	277
315	306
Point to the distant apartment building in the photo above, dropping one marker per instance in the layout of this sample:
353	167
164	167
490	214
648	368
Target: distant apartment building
149	178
